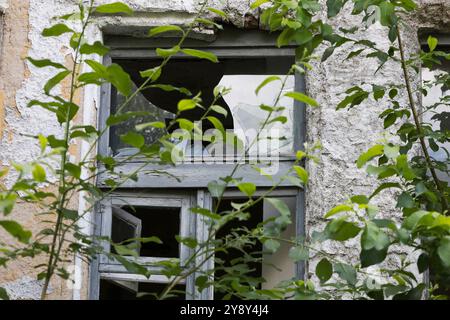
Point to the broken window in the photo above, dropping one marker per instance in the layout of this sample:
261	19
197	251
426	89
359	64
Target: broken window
244	116
157	205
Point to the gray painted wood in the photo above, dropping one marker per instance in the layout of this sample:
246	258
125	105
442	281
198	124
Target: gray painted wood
195	175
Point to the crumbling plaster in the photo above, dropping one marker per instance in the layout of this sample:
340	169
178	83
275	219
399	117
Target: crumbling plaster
343	134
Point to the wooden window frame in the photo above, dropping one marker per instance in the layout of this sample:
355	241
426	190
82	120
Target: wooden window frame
194	177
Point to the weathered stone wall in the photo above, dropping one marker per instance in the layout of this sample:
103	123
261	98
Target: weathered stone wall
344	134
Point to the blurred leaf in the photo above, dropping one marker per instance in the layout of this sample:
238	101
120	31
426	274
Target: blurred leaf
201	54
96	48
16	230
55	81
432	43
346	272
114	8
3	294
302	98
324	270
56	30
162	29
373	152
338	209
266	82
444	251
133	139
39	173
299	253
247	188
45	63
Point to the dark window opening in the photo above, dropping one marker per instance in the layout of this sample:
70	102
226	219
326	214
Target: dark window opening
124	290
144	222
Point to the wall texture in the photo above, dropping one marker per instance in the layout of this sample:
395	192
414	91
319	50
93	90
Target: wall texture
344	134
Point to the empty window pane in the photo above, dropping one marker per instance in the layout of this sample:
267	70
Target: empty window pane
118	290
144	222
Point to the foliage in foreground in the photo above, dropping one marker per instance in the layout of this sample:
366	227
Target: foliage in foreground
395	162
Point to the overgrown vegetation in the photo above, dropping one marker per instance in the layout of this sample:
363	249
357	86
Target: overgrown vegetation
401	162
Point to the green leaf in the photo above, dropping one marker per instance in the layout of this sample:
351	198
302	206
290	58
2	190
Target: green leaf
95	48
153	73
55	81
188	242
423	262
133	139
324	270
405	200
38	173
206	213
266	82
383	186
131	266
220	110
413	294
45	63
120	79
16	230
359	199
56	30
334	7
374	238
73	170
165	53
201	54
302	174
444	251
372	257
373	152
247	188
391	152
201	283
114	8
338	209
122	117
258	3
285	37
432	43
299	253
387	13
148	240
162	29
155	124
327	53
3	294
216	189
186	104
218	12
169	88
346	272
217	124
280	205
341	230
70	214
272	245
302	98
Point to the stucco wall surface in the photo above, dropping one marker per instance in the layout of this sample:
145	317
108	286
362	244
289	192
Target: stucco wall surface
343	134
